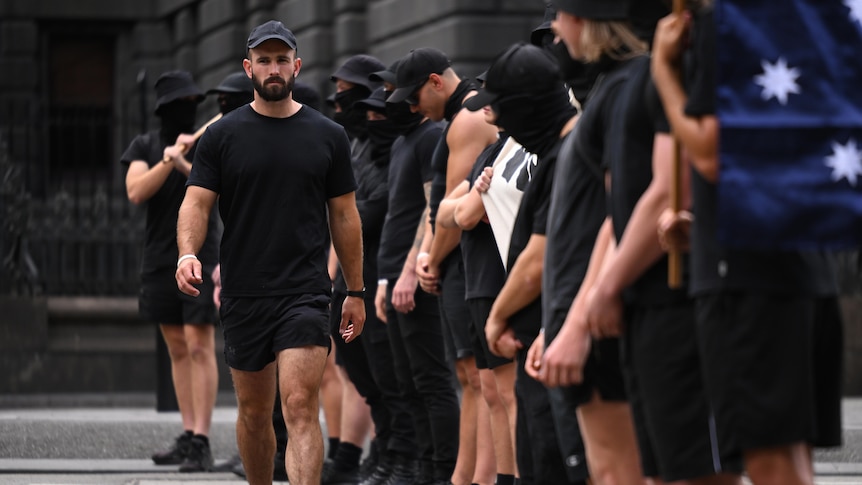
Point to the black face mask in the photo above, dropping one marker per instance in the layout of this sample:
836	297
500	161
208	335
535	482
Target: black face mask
401	116
535	121
381	133
577	75
177	117
228	102
353	120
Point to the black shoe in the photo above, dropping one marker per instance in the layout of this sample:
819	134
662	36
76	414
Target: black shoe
176	453
340	477
367	467
199	457
379	476
404	472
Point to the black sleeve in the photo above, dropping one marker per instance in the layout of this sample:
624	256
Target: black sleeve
655	108
700	66
139	149
206	168
340	179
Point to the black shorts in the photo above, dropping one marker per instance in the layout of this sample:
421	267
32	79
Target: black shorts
602	373
161	301
256	329
673	423
480	308
758	357
454	314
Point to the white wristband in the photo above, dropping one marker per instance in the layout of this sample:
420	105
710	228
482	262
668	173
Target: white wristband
382	282
185	257
423	253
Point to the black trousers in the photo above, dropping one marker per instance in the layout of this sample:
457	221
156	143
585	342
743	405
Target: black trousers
426	379
369	365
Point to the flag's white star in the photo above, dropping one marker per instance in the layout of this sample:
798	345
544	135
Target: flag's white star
845	161
855	7
777	80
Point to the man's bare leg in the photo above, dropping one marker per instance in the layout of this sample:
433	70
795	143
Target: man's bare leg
255	393
200	340
785	465
609	439
300	374
181	372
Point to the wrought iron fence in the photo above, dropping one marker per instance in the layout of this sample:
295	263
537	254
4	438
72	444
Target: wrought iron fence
68	228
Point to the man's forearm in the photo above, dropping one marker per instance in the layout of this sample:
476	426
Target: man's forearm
346	233
445	240
524	283
192	223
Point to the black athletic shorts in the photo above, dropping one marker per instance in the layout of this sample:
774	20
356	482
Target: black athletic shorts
256	329
759	363
161	301
673	422
603	371
454	314
480	308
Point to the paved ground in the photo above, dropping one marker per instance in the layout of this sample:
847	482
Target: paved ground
108	440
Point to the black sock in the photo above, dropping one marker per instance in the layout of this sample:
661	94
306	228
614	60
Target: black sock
505	479
202	437
347	457
333	447
188	434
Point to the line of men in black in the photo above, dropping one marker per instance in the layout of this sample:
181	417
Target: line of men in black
511	246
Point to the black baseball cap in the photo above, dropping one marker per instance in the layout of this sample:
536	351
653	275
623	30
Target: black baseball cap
544	28
238	82
414	70
272	29
173	85
387	75
596	9
521	69
375	102
358	69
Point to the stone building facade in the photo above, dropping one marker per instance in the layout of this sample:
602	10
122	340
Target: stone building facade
76	85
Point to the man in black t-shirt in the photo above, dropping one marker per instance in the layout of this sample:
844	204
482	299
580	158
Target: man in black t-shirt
157	171
281	174
769	328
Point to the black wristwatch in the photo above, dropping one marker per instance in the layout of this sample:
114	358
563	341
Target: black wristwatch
357	293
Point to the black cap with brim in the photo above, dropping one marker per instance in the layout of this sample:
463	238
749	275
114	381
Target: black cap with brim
272	29
604	10
384	76
414	70
401	93
357	70
174	85
238	82
545	27
480	100
375	102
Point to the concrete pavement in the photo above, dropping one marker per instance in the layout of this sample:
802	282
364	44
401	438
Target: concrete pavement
109	442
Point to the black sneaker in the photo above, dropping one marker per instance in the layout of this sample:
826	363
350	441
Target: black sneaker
176	453
341	477
199	458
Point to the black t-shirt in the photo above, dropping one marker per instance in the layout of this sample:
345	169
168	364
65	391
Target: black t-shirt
409	170
532	219
715	267
641	116
372	199
274	177
484	274
578	201
160	245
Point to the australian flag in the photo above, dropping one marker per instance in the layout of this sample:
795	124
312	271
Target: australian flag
789	103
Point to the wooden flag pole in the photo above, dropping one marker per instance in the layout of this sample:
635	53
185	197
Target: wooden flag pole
674	259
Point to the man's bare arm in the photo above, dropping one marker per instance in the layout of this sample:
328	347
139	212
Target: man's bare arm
192	223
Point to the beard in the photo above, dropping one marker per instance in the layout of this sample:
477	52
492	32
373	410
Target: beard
274	91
